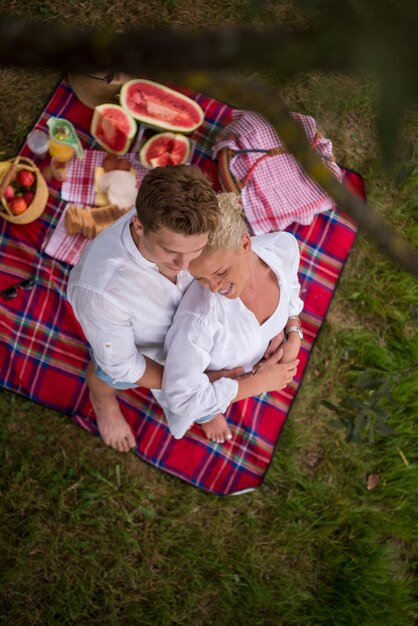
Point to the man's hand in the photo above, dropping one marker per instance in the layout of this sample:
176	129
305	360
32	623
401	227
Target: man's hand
234	373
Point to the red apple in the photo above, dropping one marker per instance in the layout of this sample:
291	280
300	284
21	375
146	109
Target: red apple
9	193
28	197
17	205
25	178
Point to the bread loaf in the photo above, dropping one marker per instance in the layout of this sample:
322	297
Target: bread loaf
90	221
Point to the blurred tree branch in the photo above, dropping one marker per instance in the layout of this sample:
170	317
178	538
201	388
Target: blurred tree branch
340	39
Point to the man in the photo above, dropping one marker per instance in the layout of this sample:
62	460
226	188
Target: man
125	288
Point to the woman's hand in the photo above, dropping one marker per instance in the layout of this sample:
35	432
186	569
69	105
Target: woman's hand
268	375
273	376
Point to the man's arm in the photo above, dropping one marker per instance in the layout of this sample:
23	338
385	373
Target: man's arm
153	375
108	329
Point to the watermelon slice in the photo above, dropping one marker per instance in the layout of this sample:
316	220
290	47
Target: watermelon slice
165	149
113	128
160	106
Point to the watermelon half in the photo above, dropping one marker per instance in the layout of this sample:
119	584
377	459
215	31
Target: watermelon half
160	106
113	128
165	149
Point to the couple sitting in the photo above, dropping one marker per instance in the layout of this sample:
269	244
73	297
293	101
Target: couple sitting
225	342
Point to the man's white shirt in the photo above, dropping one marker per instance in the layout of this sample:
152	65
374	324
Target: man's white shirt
123	303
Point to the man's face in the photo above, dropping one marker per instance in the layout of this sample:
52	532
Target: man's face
170	251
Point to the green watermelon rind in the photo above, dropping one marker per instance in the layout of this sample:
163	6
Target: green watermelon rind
152	120
98	114
169	135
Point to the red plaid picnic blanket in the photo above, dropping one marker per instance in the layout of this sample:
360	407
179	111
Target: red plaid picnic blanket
43	353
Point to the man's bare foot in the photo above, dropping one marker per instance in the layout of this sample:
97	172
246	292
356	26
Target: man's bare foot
113	427
217	429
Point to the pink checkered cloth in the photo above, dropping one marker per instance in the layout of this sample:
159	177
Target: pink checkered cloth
278	191
79	188
63	246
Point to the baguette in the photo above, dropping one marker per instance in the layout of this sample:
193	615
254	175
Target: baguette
90	221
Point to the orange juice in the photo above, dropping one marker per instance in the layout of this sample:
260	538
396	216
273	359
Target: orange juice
60	151
63	141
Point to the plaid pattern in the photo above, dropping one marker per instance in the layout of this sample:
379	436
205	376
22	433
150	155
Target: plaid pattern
79	187
275	190
63	246
43	352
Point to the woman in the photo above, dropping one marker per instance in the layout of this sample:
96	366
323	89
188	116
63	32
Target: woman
245	293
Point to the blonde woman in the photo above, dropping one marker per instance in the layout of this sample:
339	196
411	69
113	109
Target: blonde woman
243	301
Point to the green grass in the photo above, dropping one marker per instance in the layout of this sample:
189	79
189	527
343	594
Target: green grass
89	536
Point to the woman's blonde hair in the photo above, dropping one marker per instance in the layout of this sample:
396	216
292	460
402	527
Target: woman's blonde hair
231	224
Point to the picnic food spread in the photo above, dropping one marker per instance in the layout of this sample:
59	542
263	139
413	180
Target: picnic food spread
24	191
166	117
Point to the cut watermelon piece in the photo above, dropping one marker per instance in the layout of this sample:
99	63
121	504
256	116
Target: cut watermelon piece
113	128
165	149
160	106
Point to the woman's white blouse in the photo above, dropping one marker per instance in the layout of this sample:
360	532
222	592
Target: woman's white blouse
212	332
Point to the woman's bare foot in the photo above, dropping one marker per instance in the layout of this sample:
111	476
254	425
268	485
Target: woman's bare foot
217	430
113	427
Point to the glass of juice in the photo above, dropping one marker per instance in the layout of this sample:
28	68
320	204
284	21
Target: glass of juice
57	149
64	143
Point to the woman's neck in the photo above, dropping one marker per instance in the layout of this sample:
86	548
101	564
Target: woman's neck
257	272
261	293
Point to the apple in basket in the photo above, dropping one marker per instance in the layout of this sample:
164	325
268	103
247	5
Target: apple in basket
18	205
23	191
9	193
20	191
28	196
25	178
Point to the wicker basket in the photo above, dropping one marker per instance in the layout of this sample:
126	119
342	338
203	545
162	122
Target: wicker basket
38	204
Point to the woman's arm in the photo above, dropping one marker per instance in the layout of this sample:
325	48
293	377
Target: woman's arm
186	387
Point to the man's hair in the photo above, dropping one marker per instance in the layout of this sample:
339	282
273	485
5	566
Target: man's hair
177	197
231	224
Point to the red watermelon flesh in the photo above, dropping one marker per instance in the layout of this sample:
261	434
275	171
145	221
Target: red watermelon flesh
165	149
160	106
113	128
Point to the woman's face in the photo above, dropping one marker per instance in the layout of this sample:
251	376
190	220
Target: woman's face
224	271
